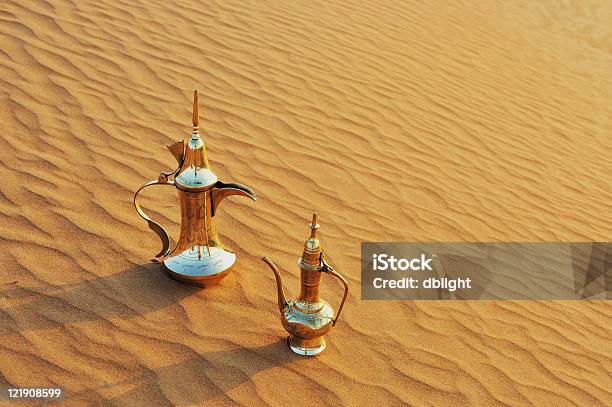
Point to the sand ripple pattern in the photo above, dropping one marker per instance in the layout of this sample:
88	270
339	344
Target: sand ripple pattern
396	120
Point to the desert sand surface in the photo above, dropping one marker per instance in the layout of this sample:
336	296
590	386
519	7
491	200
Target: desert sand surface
395	120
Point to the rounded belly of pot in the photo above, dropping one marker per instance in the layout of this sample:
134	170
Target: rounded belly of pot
308	325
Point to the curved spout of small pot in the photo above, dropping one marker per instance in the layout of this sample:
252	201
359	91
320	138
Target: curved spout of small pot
282	302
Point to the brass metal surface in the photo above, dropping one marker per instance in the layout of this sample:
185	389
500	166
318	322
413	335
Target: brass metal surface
308	318
199	257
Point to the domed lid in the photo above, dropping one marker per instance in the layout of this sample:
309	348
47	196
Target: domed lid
311	257
195	172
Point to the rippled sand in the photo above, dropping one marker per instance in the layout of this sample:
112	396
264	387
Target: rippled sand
397	121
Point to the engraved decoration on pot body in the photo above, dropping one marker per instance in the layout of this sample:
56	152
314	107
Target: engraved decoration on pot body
308	318
199	257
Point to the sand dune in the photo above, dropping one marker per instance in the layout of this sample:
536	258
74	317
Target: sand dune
397	121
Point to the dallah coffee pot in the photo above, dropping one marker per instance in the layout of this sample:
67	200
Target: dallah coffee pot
199	257
308	317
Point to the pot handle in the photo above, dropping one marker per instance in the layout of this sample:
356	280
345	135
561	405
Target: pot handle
154	226
326	268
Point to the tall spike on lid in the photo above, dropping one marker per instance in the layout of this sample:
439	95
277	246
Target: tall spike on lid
196	116
314	226
311	256
195	173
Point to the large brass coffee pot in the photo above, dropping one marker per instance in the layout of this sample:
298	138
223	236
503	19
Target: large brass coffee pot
199	257
308	317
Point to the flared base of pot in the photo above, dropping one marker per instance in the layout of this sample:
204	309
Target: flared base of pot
196	267
306	347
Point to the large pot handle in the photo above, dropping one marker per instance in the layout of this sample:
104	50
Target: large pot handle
326	268
154	226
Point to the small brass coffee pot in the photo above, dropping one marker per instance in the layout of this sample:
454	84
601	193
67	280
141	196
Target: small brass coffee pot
308	317
199	257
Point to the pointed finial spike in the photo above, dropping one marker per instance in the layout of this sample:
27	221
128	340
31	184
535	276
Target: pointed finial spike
196	113
314	226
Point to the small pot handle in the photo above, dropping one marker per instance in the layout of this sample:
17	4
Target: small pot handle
326	268
154	226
